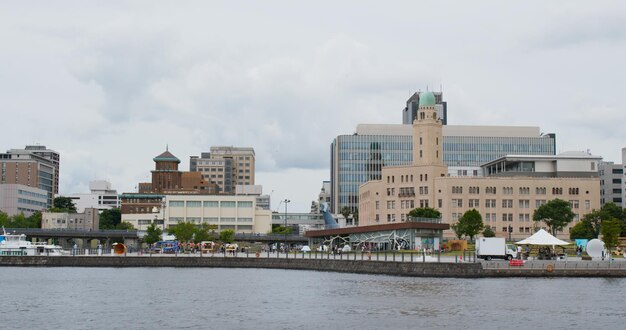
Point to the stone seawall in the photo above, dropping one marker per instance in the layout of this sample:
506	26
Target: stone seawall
413	269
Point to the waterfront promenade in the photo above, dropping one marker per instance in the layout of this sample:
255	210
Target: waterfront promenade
404	264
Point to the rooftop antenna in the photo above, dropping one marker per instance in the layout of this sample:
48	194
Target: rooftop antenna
167	147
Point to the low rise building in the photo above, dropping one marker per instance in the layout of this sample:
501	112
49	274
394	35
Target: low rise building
87	220
237	212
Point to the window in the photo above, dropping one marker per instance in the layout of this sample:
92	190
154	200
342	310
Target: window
574	204
474	203
539	202
246	204
540	190
507	203
457	190
524	204
177	204
507	190
490	203
211	204
377	205
457	202
228	204
524	190
587	204
474	190
194	204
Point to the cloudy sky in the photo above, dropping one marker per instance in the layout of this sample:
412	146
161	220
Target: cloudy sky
109	83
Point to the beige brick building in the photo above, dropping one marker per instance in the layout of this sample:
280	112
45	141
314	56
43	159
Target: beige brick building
506	196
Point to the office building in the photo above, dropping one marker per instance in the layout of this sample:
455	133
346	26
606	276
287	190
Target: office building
613	182
506	193
33	166
101	197
225	166
239	213
87	220
262	201
18	198
359	157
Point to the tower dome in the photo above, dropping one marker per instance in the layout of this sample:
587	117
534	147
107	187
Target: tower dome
427	99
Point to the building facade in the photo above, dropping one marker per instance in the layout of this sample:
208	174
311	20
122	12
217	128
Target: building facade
239	213
409	113
18	198
33	166
87	220
167	179
323	197
613	182
226	166
101	197
507	194
359	157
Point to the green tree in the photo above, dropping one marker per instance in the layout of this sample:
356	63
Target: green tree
205	232
125	226
34	221
583	229
458	230
4	219
610	232
471	223
281	230
227	236
183	231
64	204
346	211
110	219
425	212
488	232
556	214
153	234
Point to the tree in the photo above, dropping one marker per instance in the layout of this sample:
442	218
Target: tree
346	212
593	220
153	234
4	219
425	212
556	214
125	226
227	236
471	223
64	204
488	232
583	229
205	232
281	230
183	231
110	219
610	232
458	230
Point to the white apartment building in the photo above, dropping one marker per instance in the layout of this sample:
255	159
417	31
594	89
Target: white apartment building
101	197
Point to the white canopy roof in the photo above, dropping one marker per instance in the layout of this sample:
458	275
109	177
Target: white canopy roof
542	237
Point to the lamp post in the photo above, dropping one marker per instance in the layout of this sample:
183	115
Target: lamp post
286	201
163	204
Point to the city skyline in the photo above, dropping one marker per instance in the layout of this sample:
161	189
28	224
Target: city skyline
108	86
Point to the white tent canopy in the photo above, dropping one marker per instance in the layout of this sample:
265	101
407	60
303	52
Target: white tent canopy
542	237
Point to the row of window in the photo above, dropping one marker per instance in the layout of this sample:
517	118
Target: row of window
229	204
508	203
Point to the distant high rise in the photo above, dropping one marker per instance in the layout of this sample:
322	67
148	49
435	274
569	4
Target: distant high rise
102	197
225	166
409	113
33	166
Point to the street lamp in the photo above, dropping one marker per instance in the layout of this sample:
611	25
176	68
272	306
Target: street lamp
163	204
286	201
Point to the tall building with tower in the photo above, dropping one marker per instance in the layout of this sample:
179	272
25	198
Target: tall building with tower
506	193
409	113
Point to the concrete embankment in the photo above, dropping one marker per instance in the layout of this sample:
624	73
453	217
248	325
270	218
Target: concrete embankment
413	269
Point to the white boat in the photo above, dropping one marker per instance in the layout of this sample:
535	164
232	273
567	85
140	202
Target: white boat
17	245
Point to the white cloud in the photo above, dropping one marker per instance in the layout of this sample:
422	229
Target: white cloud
110	84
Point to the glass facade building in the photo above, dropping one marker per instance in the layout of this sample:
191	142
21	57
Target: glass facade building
358	158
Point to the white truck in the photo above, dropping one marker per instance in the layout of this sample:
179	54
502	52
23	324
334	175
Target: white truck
494	248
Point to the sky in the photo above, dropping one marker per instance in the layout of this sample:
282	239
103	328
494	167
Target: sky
110	84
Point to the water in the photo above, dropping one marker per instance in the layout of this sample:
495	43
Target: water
214	298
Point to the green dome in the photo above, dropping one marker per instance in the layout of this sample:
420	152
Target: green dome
427	99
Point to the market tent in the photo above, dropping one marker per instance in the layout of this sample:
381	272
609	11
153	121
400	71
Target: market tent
542	237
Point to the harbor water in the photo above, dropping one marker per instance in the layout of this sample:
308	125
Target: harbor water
220	298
